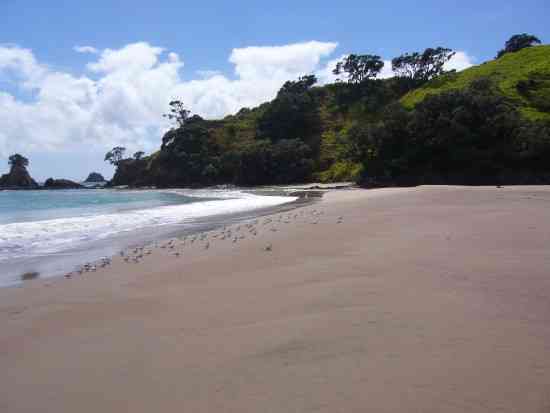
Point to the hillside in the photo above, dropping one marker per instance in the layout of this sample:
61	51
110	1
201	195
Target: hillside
489	123
523	77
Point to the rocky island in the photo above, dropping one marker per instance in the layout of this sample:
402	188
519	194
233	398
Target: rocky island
95	177
61	184
18	176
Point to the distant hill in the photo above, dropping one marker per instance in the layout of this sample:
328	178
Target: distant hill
523	77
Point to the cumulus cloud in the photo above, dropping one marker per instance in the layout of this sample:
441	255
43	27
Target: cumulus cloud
123	101
20	63
279	61
85	49
460	61
122	93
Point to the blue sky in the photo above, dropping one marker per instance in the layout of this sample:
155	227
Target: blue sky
102	103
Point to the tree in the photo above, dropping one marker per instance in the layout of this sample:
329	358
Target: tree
186	154
467	136
138	155
421	67
263	162
518	42
17	160
302	85
178	113
359	67
115	155
292	114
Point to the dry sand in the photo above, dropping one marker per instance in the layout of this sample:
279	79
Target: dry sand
432	299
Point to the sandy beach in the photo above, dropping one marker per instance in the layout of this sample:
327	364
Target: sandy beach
427	299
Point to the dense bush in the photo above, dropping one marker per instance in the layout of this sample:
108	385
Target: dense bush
286	161
482	125
293	114
469	136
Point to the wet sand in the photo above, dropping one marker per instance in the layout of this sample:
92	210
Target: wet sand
430	299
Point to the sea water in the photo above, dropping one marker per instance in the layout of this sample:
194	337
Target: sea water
49	231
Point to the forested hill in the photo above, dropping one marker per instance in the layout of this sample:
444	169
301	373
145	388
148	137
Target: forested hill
522	77
487	124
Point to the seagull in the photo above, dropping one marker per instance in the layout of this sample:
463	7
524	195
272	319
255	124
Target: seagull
268	247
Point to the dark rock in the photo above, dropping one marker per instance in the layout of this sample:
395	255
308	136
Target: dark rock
95	177
61	184
17	178
31	275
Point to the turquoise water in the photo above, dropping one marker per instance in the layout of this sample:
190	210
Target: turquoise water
50	231
25	206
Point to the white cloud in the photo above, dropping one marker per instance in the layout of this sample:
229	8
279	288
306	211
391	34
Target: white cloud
131	58
85	49
124	101
460	61
21	63
122	98
279	62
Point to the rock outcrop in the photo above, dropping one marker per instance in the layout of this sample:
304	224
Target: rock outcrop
17	178
94	177
61	184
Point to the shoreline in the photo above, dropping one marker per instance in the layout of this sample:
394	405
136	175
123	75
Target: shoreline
416	299
71	262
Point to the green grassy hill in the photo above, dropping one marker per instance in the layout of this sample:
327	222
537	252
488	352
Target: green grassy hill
523	77
264	143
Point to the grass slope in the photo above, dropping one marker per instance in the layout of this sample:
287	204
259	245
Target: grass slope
530	66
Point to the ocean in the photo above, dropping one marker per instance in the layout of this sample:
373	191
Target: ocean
52	232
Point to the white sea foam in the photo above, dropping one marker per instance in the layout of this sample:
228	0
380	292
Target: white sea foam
37	238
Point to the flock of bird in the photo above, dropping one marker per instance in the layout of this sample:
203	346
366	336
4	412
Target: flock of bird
205	240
